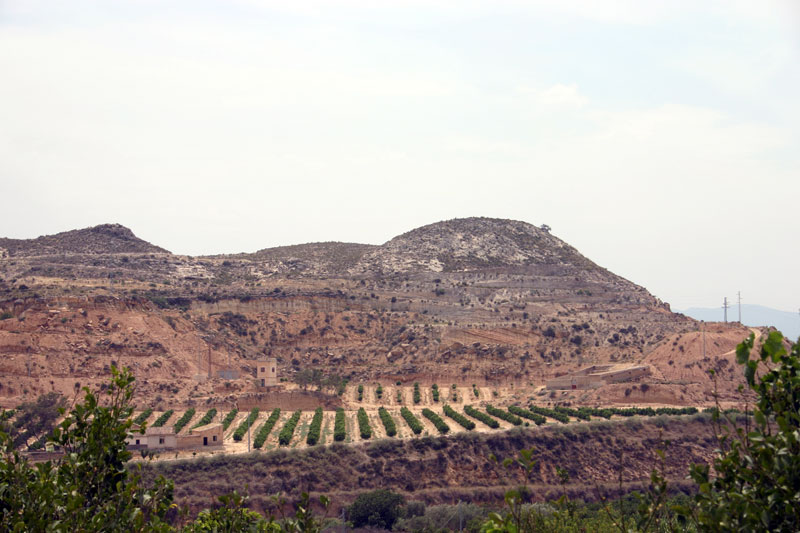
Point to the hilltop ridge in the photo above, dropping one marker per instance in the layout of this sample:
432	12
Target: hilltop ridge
475	300
101	239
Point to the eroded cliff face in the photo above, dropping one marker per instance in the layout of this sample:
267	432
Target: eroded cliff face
484	301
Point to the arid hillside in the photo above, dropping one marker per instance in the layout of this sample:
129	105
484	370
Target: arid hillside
498	303
445	470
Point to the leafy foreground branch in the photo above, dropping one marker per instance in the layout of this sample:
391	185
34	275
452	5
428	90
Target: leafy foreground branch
89	488
756	485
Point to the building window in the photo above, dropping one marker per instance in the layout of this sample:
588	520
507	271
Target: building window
137	442
262	369
161	440
215	438
273	369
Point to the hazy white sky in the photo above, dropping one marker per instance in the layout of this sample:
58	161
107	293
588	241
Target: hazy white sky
659	138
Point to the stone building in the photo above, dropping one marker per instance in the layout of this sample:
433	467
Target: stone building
267	372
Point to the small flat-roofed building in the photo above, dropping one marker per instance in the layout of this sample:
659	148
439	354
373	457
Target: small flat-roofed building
208	435
267	372
160	438
164	438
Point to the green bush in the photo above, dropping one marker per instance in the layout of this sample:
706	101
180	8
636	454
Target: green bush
388	422
360	392
519	411
316	427
207	418
182	421
435	392
757	474
287	432
90	488
458	417
505	415
144	415
245	424
379	392
437	420
399	396
363	424
339	426
483	417
583	413
226	422
412	421
161	420
550	413
264	431
417	395
379	509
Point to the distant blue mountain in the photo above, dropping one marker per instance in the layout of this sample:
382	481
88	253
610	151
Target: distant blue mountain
752	315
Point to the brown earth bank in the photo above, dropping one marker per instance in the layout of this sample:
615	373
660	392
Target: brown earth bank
60	344
497	303
597	456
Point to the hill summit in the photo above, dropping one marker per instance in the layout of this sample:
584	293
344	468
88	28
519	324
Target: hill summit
102	239
475	243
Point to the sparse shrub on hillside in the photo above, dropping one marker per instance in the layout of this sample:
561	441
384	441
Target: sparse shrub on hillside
458	417
379	392
207	418
144	415
475	391
182	421
437	420
226	422
505	415
245	424
360	392
388	422
519	411
363	424
316	427
412	421
161	420
399	396
264	431
435	392
417	395
287	432
339	426
483	417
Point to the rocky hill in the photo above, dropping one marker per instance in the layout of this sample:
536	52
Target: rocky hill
470	244
102	239
496	302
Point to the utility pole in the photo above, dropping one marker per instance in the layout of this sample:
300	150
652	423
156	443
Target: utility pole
725	307
703	322
739	294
